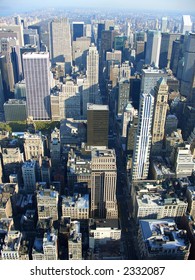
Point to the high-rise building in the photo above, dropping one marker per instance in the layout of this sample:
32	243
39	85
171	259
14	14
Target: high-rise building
153	48
150	77
164	23
128	116
92	71
186	25
97	125
77	29
142	146
159	118
167	40
55	147
33	146
123	96
15	110
60	42
103	184
38	83
29	176
188	69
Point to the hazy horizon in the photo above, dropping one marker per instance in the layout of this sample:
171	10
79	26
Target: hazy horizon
9	6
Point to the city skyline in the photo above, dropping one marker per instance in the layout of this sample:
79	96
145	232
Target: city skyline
151	5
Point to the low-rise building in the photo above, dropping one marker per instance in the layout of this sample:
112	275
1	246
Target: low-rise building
162	240
75	242
76	206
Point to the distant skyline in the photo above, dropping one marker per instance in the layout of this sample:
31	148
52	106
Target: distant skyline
7	6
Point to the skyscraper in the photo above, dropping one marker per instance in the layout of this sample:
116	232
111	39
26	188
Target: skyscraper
164	23
92	71
77	30
103	184
189	60
160	110
143	138
60	42
186	25
38	80
150	77
97	125
153	48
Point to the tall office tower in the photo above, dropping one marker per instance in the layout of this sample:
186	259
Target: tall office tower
115	55
4	76
33	146
189	60
25	49
31	37
101	27
109	24
55	147
2	96
17	20
150	77
143	138
77	29
186	25
79	50
47	204
97	125
177	54
93	71
106	44
140	50
153	48
167	40
75	242
191	98
123	96
6	49
159	118
29	176
124	71
128	116
38	30
88	30
60	42
38	82
164	23
103	184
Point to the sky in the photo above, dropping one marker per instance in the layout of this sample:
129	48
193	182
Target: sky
165	5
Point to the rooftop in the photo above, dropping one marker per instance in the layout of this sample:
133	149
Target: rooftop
76	201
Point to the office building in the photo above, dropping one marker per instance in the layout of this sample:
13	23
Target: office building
38	83
149	79
159	118
162	240
186	25
188	69
55	147
75	242
103	184
142	146
190	194
60	42
153	48
164	23
97	125
153	200
77	30
15	110
47	204
123	96
128	116
20	90
92	72
184	164
29	176
33	146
